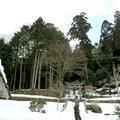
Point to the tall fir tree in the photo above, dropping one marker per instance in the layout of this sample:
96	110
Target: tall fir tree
79	29
116	34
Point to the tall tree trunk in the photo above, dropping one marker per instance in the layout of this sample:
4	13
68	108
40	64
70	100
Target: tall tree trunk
87	77
46	77
36	70
86	72
15	75
40	68
11	82
28	83
33	71
50	76
20	82
24	76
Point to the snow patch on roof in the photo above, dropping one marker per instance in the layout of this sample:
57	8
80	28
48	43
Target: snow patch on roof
2	71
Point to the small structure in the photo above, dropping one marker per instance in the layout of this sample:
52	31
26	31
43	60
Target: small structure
79	89
4	92
74	89
76	85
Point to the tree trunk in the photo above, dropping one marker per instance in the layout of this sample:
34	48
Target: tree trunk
33	71
24	76
46	77
50	75
15	75
86	72
11	82
36	71
40	68
20	82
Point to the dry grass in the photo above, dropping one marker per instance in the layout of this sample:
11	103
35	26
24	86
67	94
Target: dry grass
44	92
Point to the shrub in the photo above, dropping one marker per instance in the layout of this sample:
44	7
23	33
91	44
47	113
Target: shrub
37	105
117	107
94	108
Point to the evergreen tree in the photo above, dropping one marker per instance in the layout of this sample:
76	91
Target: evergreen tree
79	30
116	34
44	35
105	52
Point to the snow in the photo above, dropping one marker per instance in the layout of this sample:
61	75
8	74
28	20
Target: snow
108	98
19	110
31	96
2	71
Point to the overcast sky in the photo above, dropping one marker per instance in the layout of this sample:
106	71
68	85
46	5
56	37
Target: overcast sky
15	13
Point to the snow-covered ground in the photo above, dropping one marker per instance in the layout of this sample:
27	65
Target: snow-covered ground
31	96
18	110
109	98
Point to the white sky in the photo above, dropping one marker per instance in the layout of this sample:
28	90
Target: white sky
15	13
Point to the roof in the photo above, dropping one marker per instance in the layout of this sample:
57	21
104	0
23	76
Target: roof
90	87
2	71
76	82
4	92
